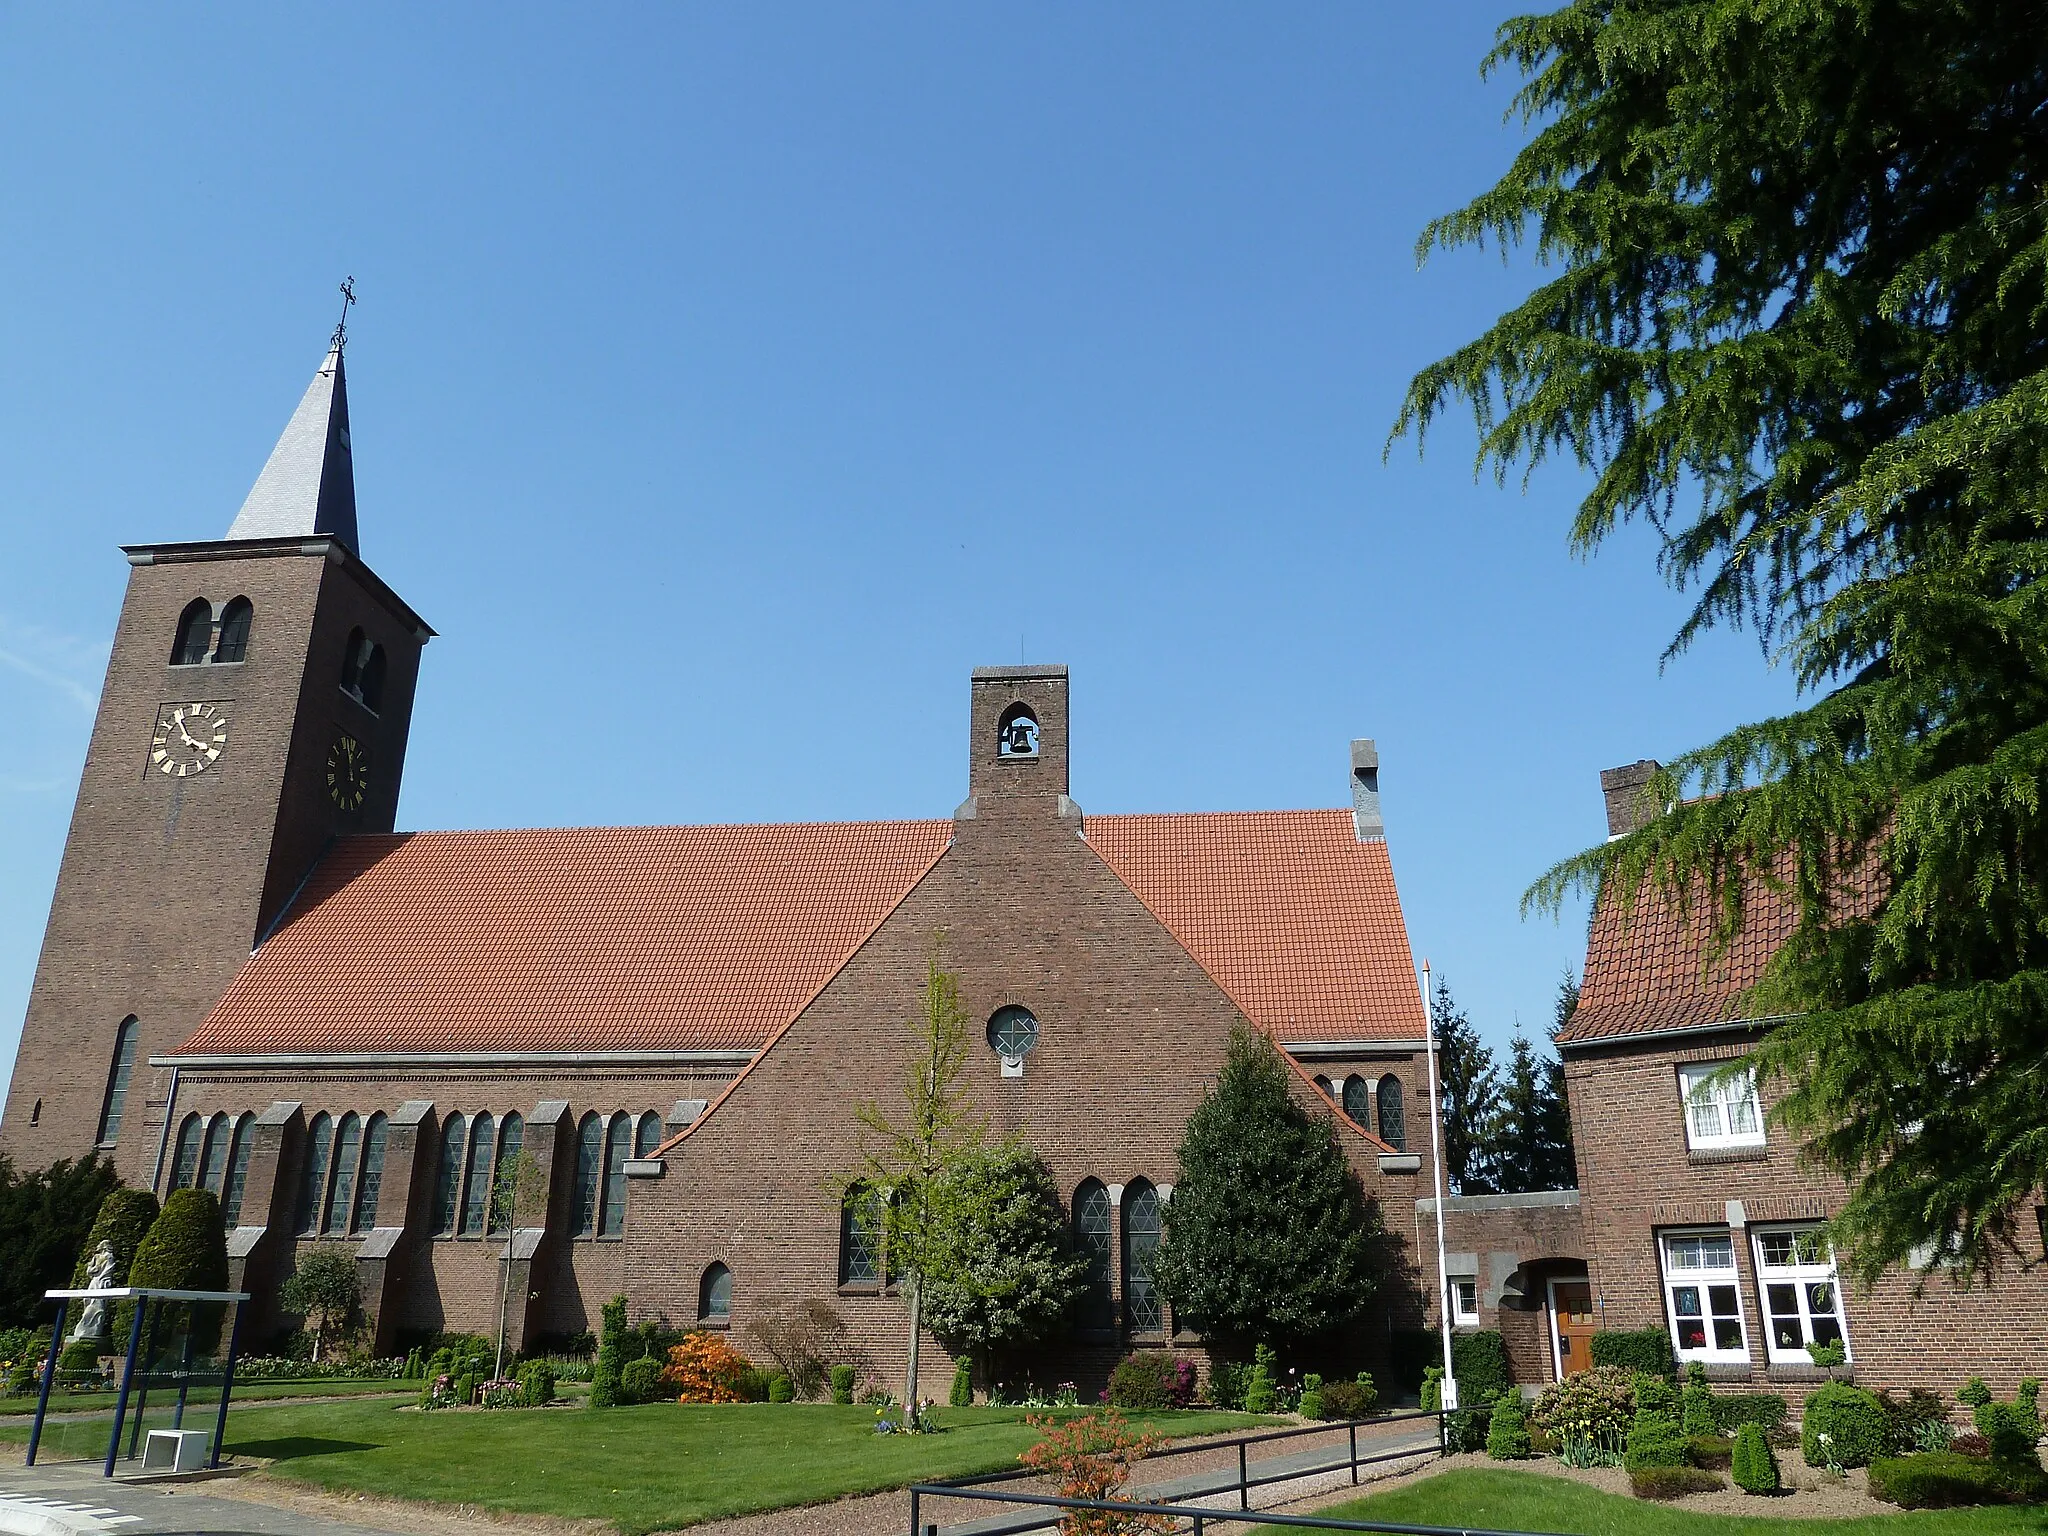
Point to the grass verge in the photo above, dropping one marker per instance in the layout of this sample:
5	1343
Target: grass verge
246	1392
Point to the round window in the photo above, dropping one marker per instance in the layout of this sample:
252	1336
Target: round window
1012	1031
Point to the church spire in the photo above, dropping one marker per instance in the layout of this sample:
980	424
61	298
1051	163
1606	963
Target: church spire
308	485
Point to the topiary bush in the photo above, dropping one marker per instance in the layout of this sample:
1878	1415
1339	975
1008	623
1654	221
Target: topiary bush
1714	1452
186	1249
1696	1403
1311	1404
1153	1378
783	1390
1260	1393
537	1381
606	1379
2010	1432
1507	1438
1643	1351
1753	1466
1348	1399
1655	1440
842	1385
1655	1394
962	1393
1944	1480
640	1381
80	1355
1844	1426
1672	1482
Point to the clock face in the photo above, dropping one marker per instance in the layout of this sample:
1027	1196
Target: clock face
348	772
189	738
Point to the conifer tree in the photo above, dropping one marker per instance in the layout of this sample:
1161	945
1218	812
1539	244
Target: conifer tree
1269	1236
1469	1085
1795	319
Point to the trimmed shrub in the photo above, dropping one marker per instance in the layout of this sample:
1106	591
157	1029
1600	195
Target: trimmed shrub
1753	1467
640	1381
1766	1410
1507	1438
1714	1452
1844	1426
1696	1410
842	1385
1153	1378
1259	1393
1483	1373
466	1386
962	1393
1654	1394
752	1384
186	1249
782	1390
2010	1432
605	1376
1646	1351
1311	1404
1655	1441
1348	1399
537	1383
1974	1393
1944	1479
1672	1482
79	1355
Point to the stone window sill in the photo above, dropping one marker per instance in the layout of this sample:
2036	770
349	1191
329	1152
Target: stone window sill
1700	1156
714	1324
1789	1372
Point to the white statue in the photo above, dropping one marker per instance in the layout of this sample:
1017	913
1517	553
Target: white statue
99	1276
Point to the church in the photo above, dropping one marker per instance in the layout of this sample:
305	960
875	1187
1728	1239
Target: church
342	1029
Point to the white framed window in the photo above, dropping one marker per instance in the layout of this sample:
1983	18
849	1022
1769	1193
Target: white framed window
1802	1298
1720	1110
1464	1293
1703	1294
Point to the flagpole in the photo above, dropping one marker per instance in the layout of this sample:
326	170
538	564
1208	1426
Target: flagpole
1436	1169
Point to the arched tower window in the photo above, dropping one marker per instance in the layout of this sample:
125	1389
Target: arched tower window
371	1184
448	1178
589	1172
195	634
1095	1241
348	1142
235	619
860	1237
213	1161
511	1141
1358	1101
1142	1311
185	1161
116	1101
476	1185
371	691
1393	1124
352	657
238	1172
313	1176
618	1146
1017	732
648	1137
714	1295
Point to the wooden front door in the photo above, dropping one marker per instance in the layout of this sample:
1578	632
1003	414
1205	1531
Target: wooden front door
1571	1314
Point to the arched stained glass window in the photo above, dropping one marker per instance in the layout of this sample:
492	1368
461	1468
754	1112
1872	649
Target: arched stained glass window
860	1238
233	644
589	1171
476	1184
313	1174
348	1144
238	1172
448	1178
611	1219
511	1139
1142	1311
116	1101
1358	1102
195	634
213	1162
371	1185
1095	1241
185	1162
1393	1123
648	1137
714	1295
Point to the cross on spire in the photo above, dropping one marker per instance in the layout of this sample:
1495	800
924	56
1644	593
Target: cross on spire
348	298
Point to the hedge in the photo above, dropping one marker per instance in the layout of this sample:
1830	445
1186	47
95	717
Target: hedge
1481	1361
1672	1482
1943	1479
1766	1410
1646	1351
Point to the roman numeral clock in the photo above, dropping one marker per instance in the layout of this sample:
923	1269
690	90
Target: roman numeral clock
189	738
348	772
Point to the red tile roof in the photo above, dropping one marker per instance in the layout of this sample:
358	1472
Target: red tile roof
1296	919
579	940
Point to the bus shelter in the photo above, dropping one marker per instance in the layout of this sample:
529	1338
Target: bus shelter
170	1352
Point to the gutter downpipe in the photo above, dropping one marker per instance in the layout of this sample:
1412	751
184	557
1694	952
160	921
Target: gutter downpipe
1436	1161
163	1139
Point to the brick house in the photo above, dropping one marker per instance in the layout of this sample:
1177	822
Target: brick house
250	982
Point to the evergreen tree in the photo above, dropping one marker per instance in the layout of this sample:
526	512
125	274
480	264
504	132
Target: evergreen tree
1794	319
1532	1138
1469	1089
185	1249
44	1219
1269	1235
1557	1164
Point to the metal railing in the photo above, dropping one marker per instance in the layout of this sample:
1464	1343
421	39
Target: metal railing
1201	1518
985	1487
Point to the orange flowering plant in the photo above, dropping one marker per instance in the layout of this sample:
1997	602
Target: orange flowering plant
705	1369
1090	1458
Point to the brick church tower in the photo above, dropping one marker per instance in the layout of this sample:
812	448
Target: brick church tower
256	705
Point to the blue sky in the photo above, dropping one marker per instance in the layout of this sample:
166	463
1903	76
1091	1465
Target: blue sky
731	380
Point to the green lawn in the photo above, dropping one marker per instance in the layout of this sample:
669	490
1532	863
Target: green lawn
650	1468
1531	1501
251	1391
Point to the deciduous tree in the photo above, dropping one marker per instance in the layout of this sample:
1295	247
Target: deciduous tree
324	1289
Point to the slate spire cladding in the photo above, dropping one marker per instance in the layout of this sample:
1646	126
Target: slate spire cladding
308	485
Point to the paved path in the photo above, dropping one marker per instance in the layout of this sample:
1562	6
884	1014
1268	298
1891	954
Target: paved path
72	1499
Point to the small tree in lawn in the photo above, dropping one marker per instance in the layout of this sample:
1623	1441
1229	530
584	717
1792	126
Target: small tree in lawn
1269	1235
999	1271
904	1158
518	1194
325	1291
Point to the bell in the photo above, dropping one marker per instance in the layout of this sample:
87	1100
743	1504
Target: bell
1020	739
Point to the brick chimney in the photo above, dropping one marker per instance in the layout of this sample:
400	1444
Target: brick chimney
1365	792
1626	790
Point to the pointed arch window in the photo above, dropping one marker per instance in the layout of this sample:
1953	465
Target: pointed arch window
448	1178
313	1176
341	1196
511	1139
195	634
213	1160
611	1217
1393	1122
589	1172
185	1162
235	620
238	1171
371	1184
1358	1102
714	1295
476	1184
1095	1241
116	1101
648	1137
1142	1310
